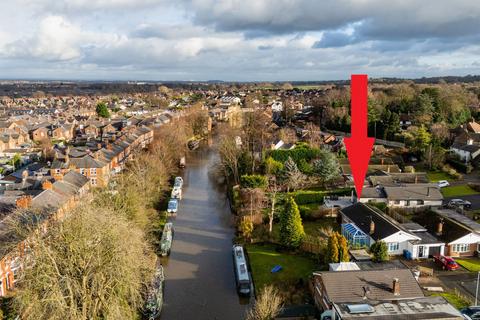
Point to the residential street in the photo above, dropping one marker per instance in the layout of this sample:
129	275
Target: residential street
200	281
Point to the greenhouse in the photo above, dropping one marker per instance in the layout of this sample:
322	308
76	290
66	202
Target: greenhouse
354	235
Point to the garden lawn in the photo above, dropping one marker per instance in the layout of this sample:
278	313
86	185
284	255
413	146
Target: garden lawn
458	191
472	265
312	228
457	301
264	257
435	176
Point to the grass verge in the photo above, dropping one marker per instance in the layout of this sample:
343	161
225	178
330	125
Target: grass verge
472	265
458	191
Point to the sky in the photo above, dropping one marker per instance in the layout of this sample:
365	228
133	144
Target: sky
237	40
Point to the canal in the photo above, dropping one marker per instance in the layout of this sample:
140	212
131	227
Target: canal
200	282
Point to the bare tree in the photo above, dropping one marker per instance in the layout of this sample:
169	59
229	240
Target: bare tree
273	189
254	200
230	153
92	265
267	306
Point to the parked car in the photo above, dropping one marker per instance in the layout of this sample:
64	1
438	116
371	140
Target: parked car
455	203
471	313
172	206
447	263
178	182
443	183
176	193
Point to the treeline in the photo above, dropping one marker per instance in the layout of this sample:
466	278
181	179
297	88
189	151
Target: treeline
96	263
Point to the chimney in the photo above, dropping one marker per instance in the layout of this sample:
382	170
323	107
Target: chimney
47	185
99	146
24	176
23	202
396	287
440	227
109	146
372	226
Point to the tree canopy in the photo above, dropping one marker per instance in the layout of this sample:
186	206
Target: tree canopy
102	110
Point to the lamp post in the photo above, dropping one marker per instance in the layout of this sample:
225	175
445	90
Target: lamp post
476	291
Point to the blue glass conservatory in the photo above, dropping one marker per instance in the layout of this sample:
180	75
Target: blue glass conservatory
354	235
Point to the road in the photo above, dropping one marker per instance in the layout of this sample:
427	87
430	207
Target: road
199	272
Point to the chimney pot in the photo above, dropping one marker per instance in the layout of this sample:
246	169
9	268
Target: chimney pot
372	226
47	185
440	227
396	287
24	202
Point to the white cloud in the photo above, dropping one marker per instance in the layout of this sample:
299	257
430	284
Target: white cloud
238	40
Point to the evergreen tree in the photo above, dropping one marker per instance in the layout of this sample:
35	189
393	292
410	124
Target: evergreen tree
294	178
332	255
422	139
291	227
102	110
343	255
327	166
379	250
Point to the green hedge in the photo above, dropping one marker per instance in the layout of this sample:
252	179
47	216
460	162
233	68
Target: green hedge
300	152
307	196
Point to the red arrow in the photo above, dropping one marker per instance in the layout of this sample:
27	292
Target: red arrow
359	145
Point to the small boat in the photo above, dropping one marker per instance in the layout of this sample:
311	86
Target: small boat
154	297
193	144
167	238
182	162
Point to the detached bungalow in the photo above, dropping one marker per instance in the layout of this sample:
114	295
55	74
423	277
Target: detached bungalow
404	196
460	233
363	225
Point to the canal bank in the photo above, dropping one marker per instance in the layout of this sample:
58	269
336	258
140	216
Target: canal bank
200	281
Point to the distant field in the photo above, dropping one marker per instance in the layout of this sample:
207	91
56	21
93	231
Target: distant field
307	87
458	191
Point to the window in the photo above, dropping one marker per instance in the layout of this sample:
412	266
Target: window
93	181
396	201
461	247
393	246
57	171
93	171
82	171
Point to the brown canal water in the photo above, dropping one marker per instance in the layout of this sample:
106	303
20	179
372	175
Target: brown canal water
200	279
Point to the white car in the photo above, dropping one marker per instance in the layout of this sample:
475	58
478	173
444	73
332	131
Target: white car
443	183
176	193
178	182
172	206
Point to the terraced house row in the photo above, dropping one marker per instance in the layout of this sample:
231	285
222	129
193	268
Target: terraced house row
52	190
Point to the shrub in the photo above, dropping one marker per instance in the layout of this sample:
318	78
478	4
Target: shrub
273	166
379	251
306	212
305	167
253	181
409	169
